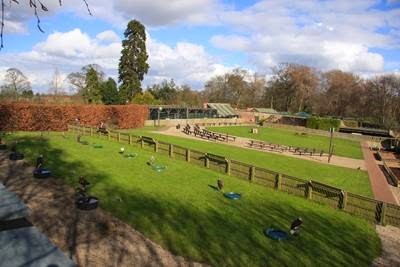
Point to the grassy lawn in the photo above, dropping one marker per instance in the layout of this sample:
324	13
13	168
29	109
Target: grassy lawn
342	147
348	179
178	210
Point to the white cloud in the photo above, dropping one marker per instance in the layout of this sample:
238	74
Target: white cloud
108	36
186	63
161	12
69	51
231	42
324	34
328	34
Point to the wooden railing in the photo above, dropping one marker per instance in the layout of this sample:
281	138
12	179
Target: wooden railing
367	208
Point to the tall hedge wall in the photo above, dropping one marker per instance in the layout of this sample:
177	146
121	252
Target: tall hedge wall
31	117
322	123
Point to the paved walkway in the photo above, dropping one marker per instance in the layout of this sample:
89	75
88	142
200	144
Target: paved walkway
380	187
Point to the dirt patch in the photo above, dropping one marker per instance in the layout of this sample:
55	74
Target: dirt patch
90	238
390	238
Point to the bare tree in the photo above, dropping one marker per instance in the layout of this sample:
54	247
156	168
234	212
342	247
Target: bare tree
77	80
16	83
57	83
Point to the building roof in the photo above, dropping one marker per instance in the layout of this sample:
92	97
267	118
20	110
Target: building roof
223	109
11	206
29	247
303	114
21	244
265	110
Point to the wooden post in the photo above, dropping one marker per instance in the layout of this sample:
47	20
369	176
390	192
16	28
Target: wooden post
228	167
130	139
343	200
309	190
119	137
252	173
278	181
382	216
206	162
91	131
109	135
171	150
188	155
141	142
156	146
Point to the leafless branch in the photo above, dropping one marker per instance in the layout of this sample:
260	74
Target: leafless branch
34	4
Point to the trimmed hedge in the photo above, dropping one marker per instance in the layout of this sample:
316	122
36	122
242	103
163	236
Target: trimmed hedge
322	123
31	117
350	123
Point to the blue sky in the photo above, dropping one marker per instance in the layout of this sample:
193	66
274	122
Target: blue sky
191	41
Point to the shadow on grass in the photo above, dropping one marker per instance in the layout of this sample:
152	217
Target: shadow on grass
52	202
213	187
234	236
227	234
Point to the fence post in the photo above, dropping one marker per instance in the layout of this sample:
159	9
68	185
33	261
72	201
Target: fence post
109	135
156	146
278	181
309	190
343	200
130	139
171	150
228	167
188	155
206	162
382	216
119	137
252	173
141	142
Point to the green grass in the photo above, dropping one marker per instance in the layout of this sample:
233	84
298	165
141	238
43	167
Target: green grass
178	210
342	147
351	180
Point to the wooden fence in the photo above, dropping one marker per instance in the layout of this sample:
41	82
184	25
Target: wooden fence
324	133
369	209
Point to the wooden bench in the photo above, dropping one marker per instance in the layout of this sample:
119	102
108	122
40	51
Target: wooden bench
148	140
102	130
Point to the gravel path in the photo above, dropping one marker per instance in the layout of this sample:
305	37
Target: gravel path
390	238
243	143
90	238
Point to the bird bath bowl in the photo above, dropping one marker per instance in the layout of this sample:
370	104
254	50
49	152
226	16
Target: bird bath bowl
276	234
41	173
87	203
159	168
233	195
131	155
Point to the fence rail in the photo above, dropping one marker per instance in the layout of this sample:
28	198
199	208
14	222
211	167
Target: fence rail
367	208
322	132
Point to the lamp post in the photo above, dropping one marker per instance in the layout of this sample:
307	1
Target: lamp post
331	130
159	112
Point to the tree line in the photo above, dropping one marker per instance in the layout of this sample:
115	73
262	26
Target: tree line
295	88
291	87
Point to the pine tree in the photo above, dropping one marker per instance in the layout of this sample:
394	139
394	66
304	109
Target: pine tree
109	92
92	93
133	62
